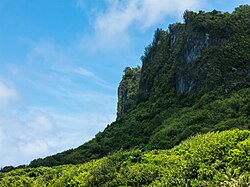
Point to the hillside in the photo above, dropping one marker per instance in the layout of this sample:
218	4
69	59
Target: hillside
194	78
213	159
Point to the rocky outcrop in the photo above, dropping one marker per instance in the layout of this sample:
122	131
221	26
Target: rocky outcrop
194	43
128	89
192	58
175	31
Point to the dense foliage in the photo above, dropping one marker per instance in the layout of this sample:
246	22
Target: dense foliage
212	159
194	78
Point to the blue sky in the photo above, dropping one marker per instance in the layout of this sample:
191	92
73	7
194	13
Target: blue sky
61	63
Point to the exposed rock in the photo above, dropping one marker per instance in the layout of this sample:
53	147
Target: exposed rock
185	83
171	65
127	90
175	31
194	44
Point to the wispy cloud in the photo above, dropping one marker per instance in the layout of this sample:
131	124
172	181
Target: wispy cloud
1	137
7	92
41	124
62	112
85	72
34	148
97	80
25	136
112	26
46	52
44	131
59	108
152	12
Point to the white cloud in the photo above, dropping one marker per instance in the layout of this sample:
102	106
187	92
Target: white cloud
7	92
154	11
85	72
34	148
111	27
46	52
25	136
41	124
1	136
39	132
97	80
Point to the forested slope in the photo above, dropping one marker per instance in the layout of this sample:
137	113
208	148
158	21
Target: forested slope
212	159
194	78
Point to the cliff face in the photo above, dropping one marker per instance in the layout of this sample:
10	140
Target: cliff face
204	54
169	65
127	90
194	43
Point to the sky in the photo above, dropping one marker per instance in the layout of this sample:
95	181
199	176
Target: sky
61	62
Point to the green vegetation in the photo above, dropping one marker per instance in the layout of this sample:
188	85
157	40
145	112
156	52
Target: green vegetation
212	159
194	79
194	82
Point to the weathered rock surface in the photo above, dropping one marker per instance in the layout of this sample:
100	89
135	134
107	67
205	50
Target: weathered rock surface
127	90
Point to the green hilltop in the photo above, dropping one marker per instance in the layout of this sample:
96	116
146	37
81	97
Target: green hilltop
194	79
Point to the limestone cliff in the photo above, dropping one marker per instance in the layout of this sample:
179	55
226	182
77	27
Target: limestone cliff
194	43
201	55
191	58
128	89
